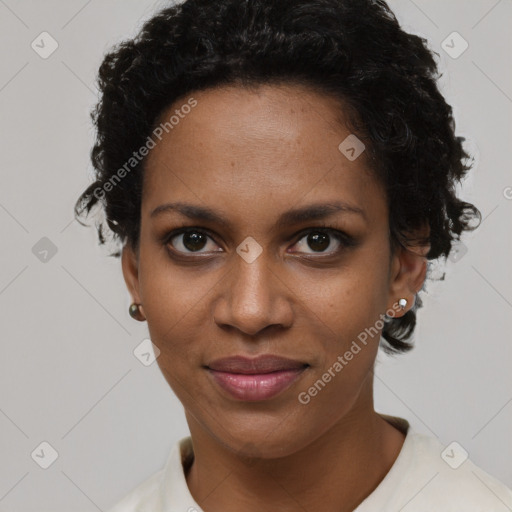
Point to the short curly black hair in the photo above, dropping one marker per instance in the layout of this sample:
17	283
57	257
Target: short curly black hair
385	78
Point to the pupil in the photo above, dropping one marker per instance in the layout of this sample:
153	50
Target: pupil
193	241
321	240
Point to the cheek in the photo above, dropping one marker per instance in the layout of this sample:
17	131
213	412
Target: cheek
346	365
350	307
173	298
349	299
177	313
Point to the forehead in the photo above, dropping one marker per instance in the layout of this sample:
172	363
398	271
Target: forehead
257	149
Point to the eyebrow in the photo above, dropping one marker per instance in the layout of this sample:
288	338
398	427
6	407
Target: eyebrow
311	212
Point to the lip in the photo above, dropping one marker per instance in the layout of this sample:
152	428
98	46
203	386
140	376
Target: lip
255	379
250	366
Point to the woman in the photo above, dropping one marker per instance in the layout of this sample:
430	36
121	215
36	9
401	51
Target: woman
279	174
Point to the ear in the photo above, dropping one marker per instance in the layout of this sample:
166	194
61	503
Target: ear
408	271
130	266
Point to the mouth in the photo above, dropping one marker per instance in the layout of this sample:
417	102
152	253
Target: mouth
255	379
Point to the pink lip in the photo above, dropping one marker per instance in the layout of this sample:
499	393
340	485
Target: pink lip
254	387
265	363
258	378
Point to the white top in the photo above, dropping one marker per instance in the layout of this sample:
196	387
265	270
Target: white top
425	477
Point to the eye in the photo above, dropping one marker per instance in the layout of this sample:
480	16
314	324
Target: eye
192	240
319	240
189	240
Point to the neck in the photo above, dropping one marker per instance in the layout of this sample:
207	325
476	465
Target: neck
339	469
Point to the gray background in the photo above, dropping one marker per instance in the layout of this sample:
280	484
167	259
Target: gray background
68	374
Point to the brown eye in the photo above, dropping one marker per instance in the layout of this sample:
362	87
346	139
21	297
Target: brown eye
320	240
189	241
194	241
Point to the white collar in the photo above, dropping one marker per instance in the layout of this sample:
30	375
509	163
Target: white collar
175	494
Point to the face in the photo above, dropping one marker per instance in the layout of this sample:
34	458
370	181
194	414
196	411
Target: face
263	281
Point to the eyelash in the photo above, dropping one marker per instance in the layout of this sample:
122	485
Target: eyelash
346	241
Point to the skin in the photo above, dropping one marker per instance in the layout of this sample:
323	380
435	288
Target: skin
252	155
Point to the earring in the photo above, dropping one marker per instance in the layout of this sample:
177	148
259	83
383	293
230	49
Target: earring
402	303
135	312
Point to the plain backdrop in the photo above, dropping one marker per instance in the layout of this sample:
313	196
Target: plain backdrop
68	373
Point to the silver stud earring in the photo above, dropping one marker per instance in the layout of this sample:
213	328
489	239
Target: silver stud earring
402	303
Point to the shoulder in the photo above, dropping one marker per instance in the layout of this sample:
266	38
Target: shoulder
428	476
144	498
165	487
444	478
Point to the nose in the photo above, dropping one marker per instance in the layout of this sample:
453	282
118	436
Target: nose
254	297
